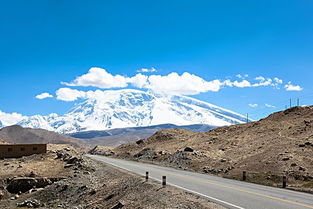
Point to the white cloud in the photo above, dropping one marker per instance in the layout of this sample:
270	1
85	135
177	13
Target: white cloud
278	80
242	76
291	87
242	84
9	119
98	77
253	105
259	78
44	95
173	83
269	106
67	94
139	80
147	70
186	84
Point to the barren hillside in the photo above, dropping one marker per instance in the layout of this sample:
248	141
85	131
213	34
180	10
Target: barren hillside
281	144
17	134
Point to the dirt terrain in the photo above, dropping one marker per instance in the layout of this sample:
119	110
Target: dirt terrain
281	144
3	142
64	178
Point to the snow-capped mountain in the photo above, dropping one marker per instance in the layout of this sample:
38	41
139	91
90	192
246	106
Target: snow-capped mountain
133	108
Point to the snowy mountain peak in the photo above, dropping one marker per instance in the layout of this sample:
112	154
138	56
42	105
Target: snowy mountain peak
132	108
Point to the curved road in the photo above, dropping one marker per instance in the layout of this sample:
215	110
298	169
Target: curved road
226	192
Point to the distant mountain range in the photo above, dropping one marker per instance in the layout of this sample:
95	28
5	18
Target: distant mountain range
130	108
115	137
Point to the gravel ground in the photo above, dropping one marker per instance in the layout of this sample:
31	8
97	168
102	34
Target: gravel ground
90	184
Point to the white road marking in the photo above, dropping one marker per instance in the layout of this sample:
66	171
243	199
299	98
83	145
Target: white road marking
209	197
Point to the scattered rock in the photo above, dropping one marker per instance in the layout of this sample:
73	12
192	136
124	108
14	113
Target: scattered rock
285	159
1	194
163	152
293	164
35	190
32	174
84	187
68	165
73	160
147	153
29	204
140	141
92	192
97	150
188	149
223	160
64	187
118	206
109	197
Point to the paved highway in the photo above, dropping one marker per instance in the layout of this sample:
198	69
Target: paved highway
226	192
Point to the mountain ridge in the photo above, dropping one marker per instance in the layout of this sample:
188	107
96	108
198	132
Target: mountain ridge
115	137
132	108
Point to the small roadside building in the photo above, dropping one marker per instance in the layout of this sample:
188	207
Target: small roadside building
20	150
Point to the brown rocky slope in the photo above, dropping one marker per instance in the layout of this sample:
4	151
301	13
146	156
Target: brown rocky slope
19	135
281	144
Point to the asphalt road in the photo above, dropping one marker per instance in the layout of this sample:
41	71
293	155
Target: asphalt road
226	192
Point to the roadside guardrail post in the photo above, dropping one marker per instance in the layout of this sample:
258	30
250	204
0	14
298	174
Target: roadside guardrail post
244	175
164	181
284	181
147	176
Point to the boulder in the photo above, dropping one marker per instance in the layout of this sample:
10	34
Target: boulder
140	141
1	194
146	152
119	205
188	149
24	184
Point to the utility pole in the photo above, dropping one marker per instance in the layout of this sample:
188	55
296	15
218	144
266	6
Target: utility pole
247	117
298	102
290	103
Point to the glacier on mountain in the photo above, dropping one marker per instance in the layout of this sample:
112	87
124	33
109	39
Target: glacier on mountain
131	108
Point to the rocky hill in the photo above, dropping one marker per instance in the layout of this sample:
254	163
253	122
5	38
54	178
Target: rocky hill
20	135
281	144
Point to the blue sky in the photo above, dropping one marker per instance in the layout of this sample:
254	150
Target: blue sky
43	43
